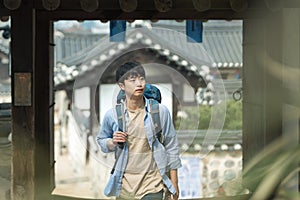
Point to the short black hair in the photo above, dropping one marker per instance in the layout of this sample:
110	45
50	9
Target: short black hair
128	69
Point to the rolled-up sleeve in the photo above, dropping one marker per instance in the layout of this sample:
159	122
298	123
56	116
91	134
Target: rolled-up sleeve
170	138
104	138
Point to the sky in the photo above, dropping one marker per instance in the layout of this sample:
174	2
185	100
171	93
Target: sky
94	25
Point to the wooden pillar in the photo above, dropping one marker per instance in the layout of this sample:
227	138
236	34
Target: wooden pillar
44	107
32	105
23	113
291	80
291	72
253	93
273	77
262	91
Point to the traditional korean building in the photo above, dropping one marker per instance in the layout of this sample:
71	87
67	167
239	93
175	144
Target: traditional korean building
221	50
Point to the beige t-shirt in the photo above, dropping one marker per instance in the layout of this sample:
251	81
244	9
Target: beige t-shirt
141	174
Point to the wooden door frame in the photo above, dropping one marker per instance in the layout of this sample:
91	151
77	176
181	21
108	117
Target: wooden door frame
33	137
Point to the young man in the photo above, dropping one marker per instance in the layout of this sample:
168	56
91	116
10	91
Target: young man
145	167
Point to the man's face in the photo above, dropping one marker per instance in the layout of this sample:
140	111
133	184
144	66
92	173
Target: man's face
134	86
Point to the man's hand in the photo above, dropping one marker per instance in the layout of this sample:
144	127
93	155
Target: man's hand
170	196
175	197
119	136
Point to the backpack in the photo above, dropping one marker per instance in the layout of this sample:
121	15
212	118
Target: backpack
153	94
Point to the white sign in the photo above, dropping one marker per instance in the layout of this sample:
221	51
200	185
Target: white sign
189	178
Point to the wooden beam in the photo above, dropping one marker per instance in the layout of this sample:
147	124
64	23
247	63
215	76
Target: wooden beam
163	5
51	4
12	4
154	5
109	10
239	5
89	5
151	6
175	14
128	5
202	5
4	12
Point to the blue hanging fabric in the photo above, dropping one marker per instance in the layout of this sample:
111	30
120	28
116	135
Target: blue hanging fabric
117	30
194	30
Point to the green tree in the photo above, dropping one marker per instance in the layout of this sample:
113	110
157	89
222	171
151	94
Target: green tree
199	117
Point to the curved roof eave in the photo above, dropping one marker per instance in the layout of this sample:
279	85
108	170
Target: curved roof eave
99	53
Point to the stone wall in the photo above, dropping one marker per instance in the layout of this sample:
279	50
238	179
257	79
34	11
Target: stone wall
221	171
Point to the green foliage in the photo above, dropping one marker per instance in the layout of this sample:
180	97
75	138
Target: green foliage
273	172
233	120
199	117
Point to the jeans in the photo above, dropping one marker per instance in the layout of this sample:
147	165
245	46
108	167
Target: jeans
150	196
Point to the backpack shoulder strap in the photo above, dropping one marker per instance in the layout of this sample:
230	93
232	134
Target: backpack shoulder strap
156	119
121	126
120	116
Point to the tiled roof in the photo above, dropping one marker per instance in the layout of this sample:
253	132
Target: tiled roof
224	42
196	61
221	39
194	140
176	43
4	48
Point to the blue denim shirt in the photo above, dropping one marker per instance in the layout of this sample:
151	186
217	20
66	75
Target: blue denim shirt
166	156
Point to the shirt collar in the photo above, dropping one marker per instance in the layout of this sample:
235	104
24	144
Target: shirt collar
147	105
